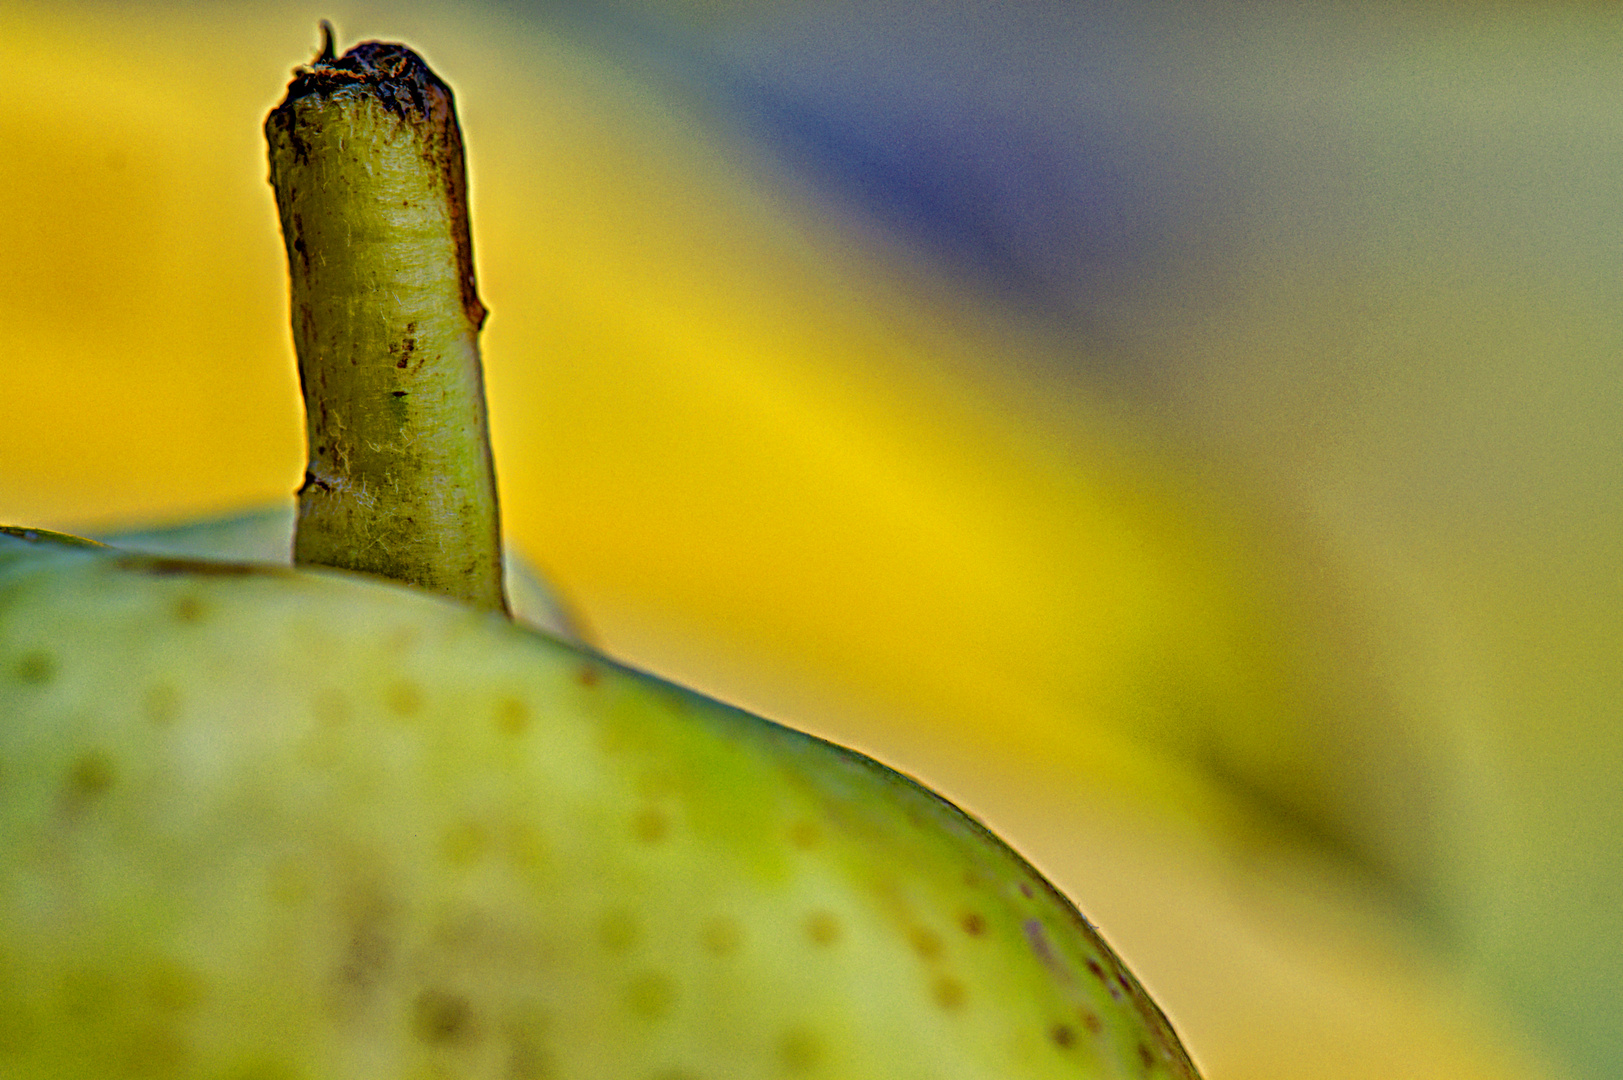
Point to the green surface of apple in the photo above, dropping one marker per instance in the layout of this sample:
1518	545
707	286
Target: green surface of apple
265	535
266	824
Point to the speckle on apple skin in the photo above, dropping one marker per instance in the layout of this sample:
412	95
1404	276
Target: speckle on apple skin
301	825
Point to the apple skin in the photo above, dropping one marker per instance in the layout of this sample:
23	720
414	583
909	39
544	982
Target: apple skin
264	823
265	535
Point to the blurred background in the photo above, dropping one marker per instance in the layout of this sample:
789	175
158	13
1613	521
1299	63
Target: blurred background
1186	435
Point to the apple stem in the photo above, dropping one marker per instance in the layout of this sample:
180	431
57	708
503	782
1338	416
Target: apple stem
366	158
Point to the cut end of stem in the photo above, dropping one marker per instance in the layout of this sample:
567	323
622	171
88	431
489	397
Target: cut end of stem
367	161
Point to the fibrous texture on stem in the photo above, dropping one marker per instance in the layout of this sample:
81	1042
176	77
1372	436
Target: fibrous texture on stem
366	158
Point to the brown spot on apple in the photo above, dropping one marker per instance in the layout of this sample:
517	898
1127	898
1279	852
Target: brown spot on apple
617	932
800	1050
89	777
189	609
948	993
651	995
925	942
439	1016
512	716
36	668
650	825
404	698
721	936
823	928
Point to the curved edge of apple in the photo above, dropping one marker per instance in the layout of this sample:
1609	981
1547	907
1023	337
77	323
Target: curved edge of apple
265	534
48	536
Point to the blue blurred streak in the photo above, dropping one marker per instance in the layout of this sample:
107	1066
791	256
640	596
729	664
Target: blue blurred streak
1010	146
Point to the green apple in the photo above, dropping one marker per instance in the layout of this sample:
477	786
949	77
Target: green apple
267	822
261	822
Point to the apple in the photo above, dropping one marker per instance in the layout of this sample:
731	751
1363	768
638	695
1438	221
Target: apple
348	819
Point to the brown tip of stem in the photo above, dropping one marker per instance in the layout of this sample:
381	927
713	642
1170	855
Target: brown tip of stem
390	72
402	82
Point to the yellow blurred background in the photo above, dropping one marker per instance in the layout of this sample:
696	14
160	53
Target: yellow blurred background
1255	571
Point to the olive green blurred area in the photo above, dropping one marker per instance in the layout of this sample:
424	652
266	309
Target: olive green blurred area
1261	583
